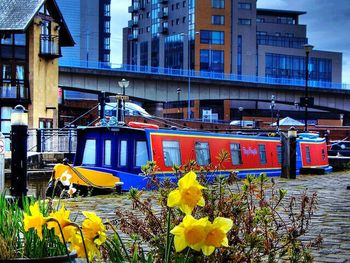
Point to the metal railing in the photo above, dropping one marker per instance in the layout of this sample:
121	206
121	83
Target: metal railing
52	140
49	45
201	74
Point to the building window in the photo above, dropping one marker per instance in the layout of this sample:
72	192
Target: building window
286	20
212	37
106	57
202	153
141	155
107	26
293	67
144	53
281	41
171	151
184	4
239	55
289	34
218	20
177	21
148	14
123	153
261	33
107	10
155	52
244	21
246	6
148	29
106	43
89	156
177	5
218	3
184	19
173	51
279	154
107	160
236	153
262	154
260	20
212	60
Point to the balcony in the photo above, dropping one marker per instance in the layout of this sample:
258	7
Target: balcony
49	46
132	23
19	92
132	37
134	8
164	14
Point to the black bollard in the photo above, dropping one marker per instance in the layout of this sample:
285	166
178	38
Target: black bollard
292	135
19	134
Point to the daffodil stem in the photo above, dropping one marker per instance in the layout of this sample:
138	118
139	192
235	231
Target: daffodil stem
63	239
168	239
187	254
120	240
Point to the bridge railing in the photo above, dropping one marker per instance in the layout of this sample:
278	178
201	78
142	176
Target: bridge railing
201	74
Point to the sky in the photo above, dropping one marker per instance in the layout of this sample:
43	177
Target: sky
328	25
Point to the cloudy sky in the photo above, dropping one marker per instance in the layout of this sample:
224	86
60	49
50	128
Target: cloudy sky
328	24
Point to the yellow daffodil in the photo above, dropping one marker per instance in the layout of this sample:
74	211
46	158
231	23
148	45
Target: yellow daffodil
34	219
93	228
188	194
78	246
62	217
190	233
65	178
216	235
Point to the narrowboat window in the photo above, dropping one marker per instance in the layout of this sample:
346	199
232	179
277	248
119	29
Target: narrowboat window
141	156
279	153
323	155
123	153
89	157
171	151
107	153
236	153
308	155
262	154
202	153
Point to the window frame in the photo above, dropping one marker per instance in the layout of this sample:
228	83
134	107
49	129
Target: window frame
136	151
207	149
262	154
179	152
126	153
307	154
95	154
104	153
239	151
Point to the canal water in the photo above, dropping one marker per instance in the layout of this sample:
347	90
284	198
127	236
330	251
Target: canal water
36	187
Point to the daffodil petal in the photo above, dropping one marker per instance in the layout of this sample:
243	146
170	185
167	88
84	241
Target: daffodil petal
208	250
188	180
180	243
188	220
174	198
196	246
225	224
224	242
201	202
177	230
186	209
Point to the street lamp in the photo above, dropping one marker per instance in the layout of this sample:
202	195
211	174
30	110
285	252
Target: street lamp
241	116
123	84
178	91
189	72
272	107
307	49
19	135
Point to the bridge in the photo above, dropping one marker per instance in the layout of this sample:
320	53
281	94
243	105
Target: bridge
161	84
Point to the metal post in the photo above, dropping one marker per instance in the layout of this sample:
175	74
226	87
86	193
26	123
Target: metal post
102	102
38	140
123	84
178	91
19	134
308	49
189	77
292	135
241	116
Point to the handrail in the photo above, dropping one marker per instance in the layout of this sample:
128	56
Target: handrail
200	74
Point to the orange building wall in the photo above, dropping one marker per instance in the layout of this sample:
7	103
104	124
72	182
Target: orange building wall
203	15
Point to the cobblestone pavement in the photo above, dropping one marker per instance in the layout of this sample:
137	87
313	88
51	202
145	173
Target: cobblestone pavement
331	220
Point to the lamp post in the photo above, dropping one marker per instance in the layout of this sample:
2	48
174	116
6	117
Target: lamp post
178	91
19	134
272	107
307	49
123	84
189	72
241	116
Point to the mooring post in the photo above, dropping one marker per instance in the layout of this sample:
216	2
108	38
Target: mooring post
19	135
292	135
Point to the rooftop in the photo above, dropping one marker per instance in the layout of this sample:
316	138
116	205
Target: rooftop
278	12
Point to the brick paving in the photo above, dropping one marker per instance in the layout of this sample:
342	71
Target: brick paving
331	220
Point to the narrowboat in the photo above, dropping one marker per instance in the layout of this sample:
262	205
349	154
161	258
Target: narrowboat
110	156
